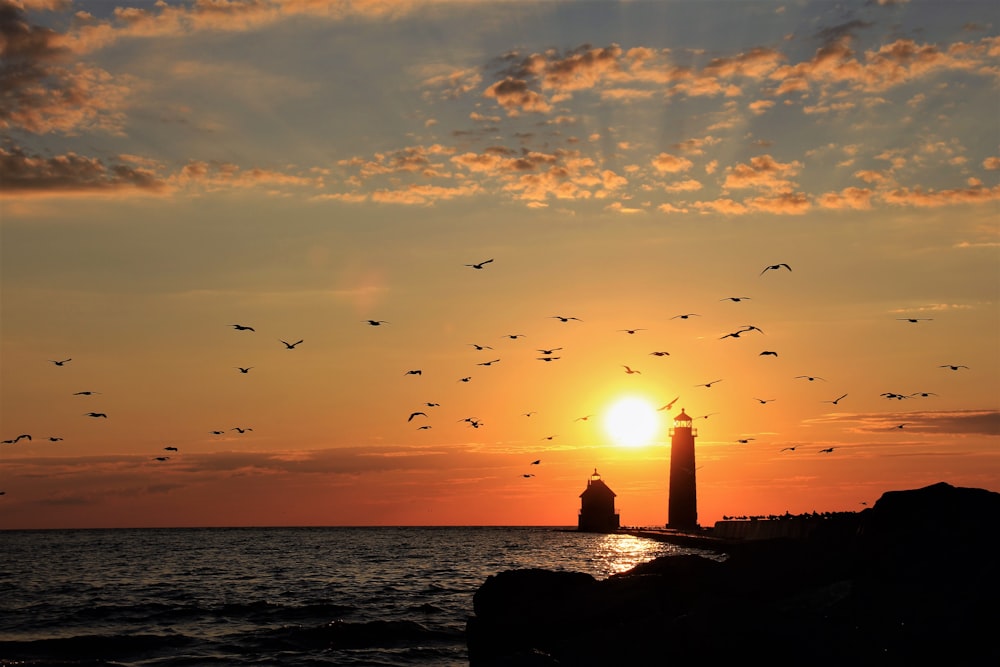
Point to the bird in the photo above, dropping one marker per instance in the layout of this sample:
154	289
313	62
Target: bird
514	336
924	394
480	265
465	379
774	267
583	419
240	327
709	384
96	414
768	353
241	429
244	370
488	363
789	448
432	405
376	323
914	320
548	437
668	405
706	416
630	371
527	474
53	438
161	458
170	449
734	334
423	428
750	327
902	425
744	441
415	414
827	450
481	347
549	353
763	401
892	394
631	331
528	414
290	346
548	358
535	462
834	401
660	354
85	393
415	371
811	378
60	363
217	432
685	316
735	299
23	436
952	367
563	318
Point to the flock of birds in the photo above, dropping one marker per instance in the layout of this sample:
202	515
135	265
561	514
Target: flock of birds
547	355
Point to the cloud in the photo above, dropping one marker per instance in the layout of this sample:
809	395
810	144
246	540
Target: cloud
515	96
24	174
858	199
919	197
670	164
763	172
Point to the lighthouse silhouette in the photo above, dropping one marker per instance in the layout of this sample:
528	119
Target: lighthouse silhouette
682	512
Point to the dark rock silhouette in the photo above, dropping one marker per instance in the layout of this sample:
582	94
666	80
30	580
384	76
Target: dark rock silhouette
911	580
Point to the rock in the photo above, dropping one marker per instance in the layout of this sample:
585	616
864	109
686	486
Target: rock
914	582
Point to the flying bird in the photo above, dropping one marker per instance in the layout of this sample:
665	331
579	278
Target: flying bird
241	430
217	432
290	346
23	436
376	323
60	363
660	354
811	378
774	267
788	448
709	384
514	336
415	371
836	400
914	320
423	428
528	414
488	363
668	405
465	379
415	414
583	419
161	458
631	331
630	371
527	475
240	327
96	414
767	353
548	358
480	264
736	299
535	462
85	393
481	347
244	370
563	318
763	401
685	316
170	449
53	438
744	441
924	394
549	353
826	451
954	368
432	405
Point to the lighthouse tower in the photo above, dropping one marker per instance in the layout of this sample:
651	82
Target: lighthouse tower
683	501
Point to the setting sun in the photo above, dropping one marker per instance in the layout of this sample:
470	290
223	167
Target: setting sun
631	422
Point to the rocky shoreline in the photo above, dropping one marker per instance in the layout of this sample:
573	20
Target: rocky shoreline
913	581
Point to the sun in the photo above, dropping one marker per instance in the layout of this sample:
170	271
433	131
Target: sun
631	422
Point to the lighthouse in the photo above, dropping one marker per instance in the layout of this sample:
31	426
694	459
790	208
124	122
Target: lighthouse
682	511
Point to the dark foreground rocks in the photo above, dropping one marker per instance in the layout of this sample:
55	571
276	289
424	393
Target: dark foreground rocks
914	582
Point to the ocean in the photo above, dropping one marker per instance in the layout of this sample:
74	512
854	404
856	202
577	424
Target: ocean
271	596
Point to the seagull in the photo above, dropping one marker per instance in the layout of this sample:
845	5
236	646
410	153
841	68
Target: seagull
914	320
744	441
415	414
432	405
709	384
244	370
583	419
217	432
85	393
826	451
423	428
685	316
488	363
415	371
465	379
631	331
630	371
736	299
668	405
835	401
23	436
60	363
290	346
241	430
902	425
527	475
660	354
954	368
763	401
548	358
774	267
96	414
535	462
480	264
562	318
548	437
788	448
549	353
924	394
161	458
766	353
170	449
750	327
810	377
706	416
528	414
514	336
376	323
53	438
240	327
481	347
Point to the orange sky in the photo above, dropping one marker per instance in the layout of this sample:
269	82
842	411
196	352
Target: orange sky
170	170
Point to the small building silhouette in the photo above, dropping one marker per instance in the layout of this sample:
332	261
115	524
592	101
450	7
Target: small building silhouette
597	507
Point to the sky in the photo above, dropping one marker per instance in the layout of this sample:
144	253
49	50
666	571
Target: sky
569	186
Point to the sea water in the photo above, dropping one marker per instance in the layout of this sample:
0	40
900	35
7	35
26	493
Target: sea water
271	596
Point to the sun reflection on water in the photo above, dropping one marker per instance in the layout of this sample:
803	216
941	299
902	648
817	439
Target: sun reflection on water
620	552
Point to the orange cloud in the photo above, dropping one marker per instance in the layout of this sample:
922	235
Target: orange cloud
24	174
671	164
763	172
937	198
848	198
515	96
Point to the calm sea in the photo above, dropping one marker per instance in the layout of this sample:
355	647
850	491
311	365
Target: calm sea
270	596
